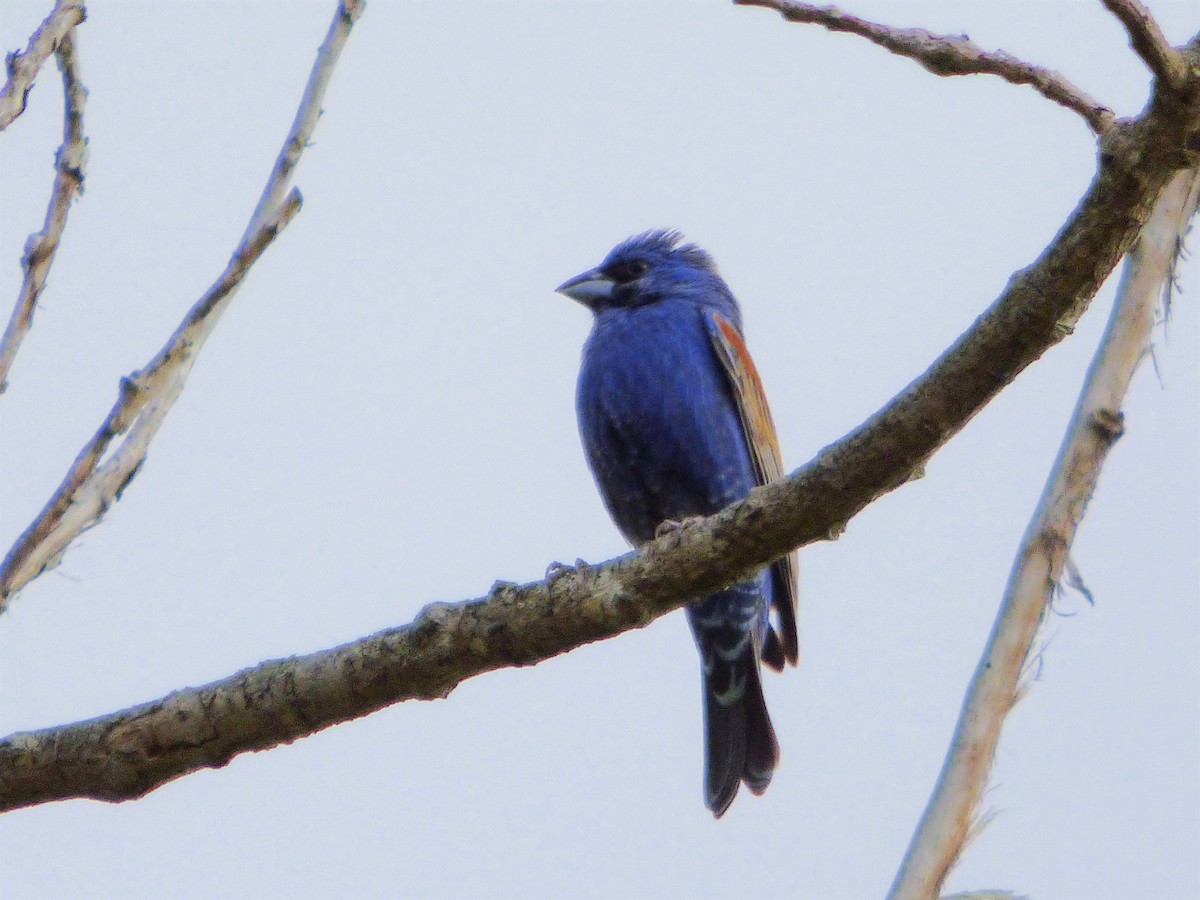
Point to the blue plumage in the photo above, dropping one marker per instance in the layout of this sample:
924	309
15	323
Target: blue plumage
674	424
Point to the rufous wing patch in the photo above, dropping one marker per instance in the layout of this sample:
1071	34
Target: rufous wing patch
763	443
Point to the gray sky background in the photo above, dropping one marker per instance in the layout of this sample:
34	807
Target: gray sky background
385	418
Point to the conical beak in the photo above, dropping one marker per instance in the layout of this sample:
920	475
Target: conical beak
589	288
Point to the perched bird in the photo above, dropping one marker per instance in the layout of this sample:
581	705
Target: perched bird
675	424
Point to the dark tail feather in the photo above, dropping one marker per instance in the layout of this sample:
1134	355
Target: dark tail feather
740	743
762	749
724	750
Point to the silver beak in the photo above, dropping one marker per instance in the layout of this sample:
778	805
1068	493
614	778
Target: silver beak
588	288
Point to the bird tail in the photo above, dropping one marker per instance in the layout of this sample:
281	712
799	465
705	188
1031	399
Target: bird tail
740	744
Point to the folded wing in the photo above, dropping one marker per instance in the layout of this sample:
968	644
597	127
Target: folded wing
763	442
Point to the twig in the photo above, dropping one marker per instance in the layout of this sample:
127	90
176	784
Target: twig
69	165
23	67
1095	426
1149	42
949	55
126	754
308	113
145	397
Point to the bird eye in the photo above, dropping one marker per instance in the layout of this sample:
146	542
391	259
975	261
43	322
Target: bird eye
627	270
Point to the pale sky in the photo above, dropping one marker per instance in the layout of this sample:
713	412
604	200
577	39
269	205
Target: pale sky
385	417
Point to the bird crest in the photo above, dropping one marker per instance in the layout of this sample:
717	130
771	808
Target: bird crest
664	242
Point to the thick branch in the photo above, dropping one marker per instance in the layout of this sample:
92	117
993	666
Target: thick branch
145	397
23	67
69	165
1094	428
126	754
1149	42
947	55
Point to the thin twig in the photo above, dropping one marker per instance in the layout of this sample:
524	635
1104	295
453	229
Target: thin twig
145	397
307	114
1095	426
948	55
23	67
69	168
1149	42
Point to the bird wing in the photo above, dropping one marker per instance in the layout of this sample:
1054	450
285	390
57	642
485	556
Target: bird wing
763	443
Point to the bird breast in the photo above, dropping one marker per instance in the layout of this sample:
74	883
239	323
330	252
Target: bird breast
659	423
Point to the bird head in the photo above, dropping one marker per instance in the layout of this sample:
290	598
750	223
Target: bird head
647	268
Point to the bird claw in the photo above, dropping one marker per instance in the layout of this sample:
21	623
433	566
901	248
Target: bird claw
499	587
557	570
669	526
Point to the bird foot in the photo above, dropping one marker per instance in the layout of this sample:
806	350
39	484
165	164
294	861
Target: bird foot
557	570
671	525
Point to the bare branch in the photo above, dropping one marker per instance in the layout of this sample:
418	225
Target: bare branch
1095	426
307	114
128	753
1149	42
146	396
23	67
69	165
949	55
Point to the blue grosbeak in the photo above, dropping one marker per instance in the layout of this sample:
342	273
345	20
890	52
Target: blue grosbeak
675	424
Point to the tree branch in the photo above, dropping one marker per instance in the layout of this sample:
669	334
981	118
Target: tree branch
949	55
1095	426
69	165
128	753
1149	42
146	396
23	67
307	114
143	400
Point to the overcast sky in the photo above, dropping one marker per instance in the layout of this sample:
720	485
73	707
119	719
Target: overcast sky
385	417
